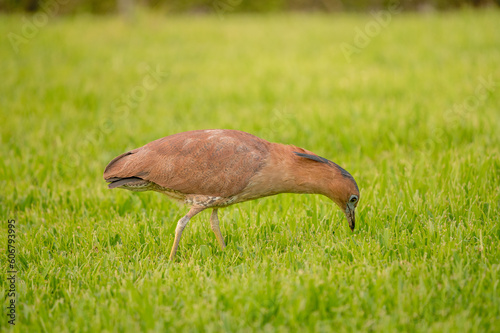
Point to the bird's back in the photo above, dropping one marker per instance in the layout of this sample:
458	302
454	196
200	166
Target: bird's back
207	162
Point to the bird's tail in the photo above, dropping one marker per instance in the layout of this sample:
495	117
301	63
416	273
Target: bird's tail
124	171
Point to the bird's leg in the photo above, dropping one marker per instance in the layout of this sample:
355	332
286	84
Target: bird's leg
180	227
214	222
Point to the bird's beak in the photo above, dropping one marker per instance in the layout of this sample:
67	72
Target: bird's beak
351	216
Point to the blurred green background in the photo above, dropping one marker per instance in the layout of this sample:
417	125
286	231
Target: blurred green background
260	6
407	101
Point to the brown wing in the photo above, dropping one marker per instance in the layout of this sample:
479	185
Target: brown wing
209	162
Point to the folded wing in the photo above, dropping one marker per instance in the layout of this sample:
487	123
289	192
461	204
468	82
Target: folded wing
209	162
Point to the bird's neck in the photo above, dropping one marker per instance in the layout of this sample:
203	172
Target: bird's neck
300	175
285	172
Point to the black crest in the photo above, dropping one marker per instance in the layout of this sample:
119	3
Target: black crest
313	157
320	159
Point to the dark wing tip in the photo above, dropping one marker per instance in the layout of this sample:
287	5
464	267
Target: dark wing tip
112	185
117	182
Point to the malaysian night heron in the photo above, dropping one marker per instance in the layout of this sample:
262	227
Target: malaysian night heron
217	168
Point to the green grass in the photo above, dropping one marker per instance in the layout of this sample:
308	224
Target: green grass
424	257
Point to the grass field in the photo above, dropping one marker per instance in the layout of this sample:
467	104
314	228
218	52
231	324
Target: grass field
413	114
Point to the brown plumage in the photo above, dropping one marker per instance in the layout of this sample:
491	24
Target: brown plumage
218	168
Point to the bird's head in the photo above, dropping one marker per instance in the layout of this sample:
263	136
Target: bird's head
349	208
337	184
344	191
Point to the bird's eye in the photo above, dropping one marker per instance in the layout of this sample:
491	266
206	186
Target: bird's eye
353	199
